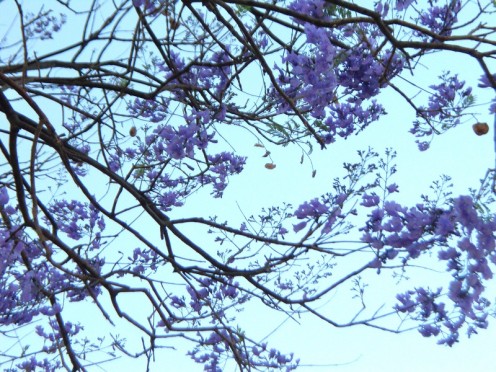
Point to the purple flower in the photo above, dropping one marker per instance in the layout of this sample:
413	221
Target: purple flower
423	146
403	4
392	188
168	200
428	330
441	19
314	208
299	226
445	225
370	200
4	196
484	81
465	212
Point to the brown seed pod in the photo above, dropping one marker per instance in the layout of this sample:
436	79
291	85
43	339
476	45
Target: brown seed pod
133	131
174	25
270	165
480	128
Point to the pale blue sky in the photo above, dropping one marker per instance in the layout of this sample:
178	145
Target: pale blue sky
459	153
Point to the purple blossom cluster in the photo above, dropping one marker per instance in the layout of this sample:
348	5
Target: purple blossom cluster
362	74
323	212
485	83
312	79
210	293
220	167
153	110
77	220
312	8
21	288
319	72
213	73
403	4
407	232
445	106
177	143
43	25
144	260
174	145
441	19
345	118
222	341
149	6
33	364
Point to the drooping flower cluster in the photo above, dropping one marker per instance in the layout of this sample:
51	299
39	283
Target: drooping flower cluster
320	75
445	107
312	79
440	19
78	220
362	74
467	241
221	166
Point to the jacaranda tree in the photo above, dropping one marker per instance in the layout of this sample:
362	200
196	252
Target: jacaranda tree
114	113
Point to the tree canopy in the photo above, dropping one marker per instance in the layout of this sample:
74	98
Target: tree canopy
116	114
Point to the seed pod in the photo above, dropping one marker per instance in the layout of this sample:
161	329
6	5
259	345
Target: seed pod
174	25
480	128
270	165
132	131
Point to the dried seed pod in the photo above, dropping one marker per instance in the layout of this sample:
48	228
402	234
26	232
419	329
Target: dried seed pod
480	128
133	131
174	25
270	165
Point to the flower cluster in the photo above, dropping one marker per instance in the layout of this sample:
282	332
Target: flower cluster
312	81
43	25
221	341
221	166
418	229
177	143
150	6
78	220
153	110
485	83
312	8
441	20
210	293
362	74
144	260
327	210
33	364
403	4
320	71
344	118
445	107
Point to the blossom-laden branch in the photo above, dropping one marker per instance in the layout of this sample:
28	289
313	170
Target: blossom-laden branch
108	136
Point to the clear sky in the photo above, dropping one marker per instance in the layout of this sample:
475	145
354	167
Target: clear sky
458	153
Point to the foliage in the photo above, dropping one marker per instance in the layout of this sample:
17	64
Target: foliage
109	134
